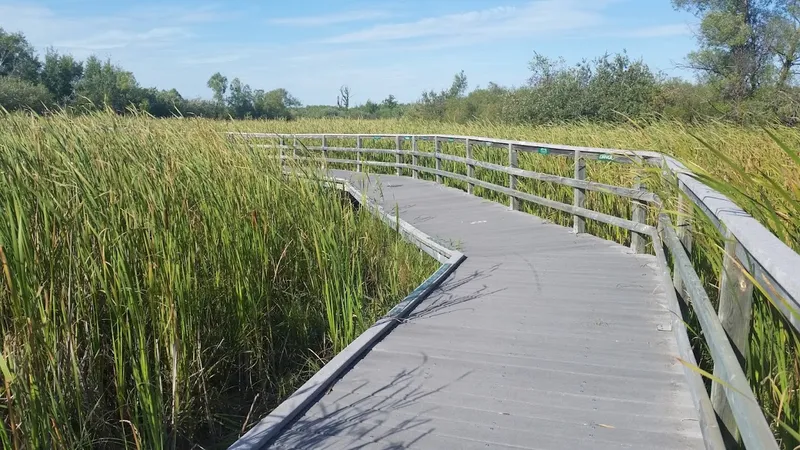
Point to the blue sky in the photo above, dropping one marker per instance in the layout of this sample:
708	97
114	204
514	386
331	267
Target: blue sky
311	47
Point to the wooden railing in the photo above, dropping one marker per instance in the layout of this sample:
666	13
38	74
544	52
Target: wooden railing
752	252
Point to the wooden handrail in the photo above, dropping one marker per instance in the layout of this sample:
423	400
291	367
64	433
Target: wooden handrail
750	247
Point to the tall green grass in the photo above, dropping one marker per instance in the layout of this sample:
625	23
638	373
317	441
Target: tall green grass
161	288
758	168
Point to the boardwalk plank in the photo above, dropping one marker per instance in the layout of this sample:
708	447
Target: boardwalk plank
541	339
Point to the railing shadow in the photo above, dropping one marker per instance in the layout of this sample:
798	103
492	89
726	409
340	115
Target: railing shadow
444	300
357	417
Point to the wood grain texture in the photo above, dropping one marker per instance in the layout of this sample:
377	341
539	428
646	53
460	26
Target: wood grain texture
540	339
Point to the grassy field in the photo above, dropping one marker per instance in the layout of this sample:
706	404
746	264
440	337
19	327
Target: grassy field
161	288
758	168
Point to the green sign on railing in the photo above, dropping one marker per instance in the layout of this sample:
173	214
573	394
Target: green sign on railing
605	157
544	151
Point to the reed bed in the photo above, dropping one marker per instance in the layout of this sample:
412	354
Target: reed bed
162	288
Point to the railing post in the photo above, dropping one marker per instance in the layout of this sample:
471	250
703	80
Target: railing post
324	153
579	195
358	154
513	202
437	150
398	156
735	314
281	144
639	215
414	161
470	166
684	231
294	149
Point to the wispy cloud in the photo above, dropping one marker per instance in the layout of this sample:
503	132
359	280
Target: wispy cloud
82	34
330	19
180	14
119	38
541	17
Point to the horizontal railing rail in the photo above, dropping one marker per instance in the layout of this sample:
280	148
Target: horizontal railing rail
637	194
732	407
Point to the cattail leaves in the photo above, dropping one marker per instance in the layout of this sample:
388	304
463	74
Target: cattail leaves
161	288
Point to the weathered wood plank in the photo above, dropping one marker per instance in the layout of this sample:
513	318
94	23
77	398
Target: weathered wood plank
501	355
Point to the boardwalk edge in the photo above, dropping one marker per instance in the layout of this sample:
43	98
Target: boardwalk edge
273	424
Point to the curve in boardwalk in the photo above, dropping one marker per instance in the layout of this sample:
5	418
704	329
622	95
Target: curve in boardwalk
541	339
535	325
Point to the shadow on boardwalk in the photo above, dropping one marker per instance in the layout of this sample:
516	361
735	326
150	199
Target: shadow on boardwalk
358	424
443	301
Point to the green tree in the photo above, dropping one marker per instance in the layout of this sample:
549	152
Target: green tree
734	43
219	85
434	105
783	30
555	92
274	104
240	99
105	84
543	69
620	87
60	74
372	108
459	86
164	103
17	94
389	102
17	57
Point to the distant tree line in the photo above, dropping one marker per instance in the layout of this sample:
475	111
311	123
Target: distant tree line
60	81
746	62
746	66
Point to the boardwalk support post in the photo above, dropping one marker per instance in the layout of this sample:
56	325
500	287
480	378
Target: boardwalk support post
414	160
324	153
398	144
513	202
359	167
579	195
438	151
470	166
281	145
639	215
735	314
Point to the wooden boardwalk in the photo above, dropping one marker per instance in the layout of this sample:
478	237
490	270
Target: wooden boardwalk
541	339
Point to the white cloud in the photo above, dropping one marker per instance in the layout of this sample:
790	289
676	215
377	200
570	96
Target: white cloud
83	34
541	17
330	19
118	39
